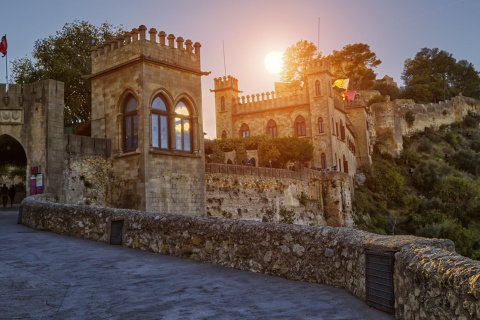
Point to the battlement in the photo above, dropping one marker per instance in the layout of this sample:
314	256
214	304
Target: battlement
228	82
269	100
158	46
318	67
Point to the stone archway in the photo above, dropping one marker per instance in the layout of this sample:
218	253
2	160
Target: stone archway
32	115
13	166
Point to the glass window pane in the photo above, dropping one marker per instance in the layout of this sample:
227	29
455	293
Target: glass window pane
159	104
186	136
135	132
155	130
181	109
131	105
163	132
128	133
178	133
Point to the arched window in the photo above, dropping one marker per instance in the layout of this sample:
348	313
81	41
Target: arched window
130	124
342	130
345	164
224	134
333	127
323	161
183	136
300	126
222	104
320	125
336	127
244	131
272	128
159	124
317	88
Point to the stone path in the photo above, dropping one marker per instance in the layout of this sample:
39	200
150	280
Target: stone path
48	276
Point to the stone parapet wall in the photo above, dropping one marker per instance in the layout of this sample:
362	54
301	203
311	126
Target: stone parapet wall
306	197
430	280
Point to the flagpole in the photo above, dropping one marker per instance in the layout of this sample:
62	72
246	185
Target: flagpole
224	64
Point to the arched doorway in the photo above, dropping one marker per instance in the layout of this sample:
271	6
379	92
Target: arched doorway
13	164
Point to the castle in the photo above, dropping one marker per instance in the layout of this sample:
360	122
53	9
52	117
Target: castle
337	129
146	151
343	132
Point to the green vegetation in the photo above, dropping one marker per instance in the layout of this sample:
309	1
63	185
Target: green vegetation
279	151
434	75
431	190
66	57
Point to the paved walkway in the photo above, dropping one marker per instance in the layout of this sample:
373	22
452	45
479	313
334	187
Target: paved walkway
48	276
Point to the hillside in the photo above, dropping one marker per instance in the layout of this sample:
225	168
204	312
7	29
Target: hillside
431	190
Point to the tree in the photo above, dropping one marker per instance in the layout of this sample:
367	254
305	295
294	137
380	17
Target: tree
66	57
295	61
434	75
458	194
354	62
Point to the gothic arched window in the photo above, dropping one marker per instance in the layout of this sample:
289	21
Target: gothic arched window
130	124
224	134
300	126
183	127
318	90
320	125
222	104
323	161
272	128
244	131
160	136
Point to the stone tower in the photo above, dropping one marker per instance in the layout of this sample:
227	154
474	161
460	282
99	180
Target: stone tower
322	110
146	98
226	94
32	114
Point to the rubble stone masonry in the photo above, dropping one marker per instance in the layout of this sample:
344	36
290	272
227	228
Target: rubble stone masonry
430	280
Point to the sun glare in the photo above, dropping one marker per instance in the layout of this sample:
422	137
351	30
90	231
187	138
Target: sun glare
274	62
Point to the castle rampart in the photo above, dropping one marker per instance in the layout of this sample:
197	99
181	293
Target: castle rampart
430	280
185	55
404	117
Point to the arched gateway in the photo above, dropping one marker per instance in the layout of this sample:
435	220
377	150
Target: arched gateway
32	114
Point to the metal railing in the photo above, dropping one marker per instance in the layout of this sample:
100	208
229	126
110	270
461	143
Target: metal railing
264	172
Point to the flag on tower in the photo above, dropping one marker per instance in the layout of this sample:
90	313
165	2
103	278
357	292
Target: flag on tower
3	46
341	83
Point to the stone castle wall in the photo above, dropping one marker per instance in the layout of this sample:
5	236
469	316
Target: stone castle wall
263	194
145	64
430	280
391	119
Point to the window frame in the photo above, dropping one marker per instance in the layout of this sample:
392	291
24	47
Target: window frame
130	121
300	126
160	114
272	128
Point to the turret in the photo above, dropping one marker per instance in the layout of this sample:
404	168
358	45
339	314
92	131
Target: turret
226	95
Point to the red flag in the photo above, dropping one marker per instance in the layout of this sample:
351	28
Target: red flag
349	95
3	46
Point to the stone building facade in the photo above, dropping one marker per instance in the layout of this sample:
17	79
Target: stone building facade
146	98
336	128
32	114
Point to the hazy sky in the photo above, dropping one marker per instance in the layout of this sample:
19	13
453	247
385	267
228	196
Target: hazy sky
248	30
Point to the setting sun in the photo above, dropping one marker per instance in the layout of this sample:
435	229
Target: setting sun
274	62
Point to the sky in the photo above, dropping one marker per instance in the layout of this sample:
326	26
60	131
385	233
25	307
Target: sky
237	35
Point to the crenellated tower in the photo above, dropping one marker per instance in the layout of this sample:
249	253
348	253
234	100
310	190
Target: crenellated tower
226	96
147	99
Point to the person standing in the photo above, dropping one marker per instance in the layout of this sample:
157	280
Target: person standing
11	193
4	192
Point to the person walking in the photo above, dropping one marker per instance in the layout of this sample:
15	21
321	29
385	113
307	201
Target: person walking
11	193
4	192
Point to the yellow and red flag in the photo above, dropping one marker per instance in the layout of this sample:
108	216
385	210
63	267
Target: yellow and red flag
341	83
